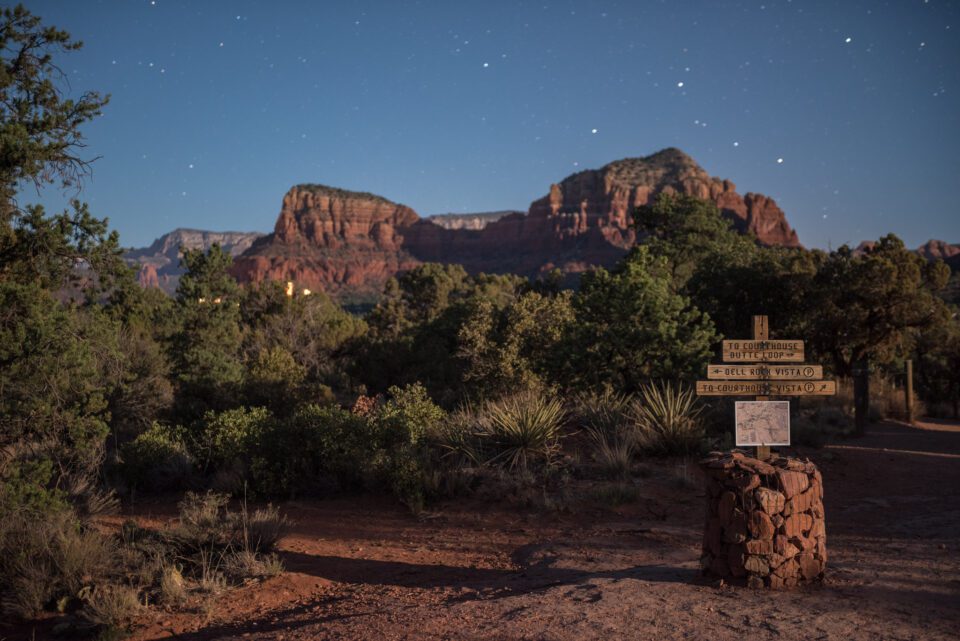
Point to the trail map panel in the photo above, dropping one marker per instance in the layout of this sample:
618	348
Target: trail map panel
763	423
764	371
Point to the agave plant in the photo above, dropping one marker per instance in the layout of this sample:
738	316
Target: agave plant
666	419
521	428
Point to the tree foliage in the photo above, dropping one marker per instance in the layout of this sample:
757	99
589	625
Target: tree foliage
633	327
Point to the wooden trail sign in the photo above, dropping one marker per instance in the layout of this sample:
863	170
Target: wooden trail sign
763	377
764	351
765	371
766	388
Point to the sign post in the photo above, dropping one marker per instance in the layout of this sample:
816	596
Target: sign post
763	368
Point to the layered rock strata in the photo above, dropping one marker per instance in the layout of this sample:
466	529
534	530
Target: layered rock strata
350	243
765	524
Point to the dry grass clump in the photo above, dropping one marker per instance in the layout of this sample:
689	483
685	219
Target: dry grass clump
605	419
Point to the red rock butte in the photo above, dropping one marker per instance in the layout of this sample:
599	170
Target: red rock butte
349	243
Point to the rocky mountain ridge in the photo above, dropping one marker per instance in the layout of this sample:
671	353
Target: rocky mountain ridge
159	264
349	243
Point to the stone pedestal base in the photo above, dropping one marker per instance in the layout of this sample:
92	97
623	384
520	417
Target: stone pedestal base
765	521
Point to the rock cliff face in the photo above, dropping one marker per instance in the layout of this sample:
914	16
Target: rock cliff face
350	243
160	262
342	242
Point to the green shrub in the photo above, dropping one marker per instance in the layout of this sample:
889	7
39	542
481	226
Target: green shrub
158	459
317	450
666	419
25	485
520	429
228	438
275	380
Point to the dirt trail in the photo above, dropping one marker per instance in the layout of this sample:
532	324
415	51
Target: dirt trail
365	569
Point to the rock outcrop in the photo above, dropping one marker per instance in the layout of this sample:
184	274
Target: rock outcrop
160	262
349	243
343	242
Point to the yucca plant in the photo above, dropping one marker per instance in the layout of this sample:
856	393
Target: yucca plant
666	419
522	428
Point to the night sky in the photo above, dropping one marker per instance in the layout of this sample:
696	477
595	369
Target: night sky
847	113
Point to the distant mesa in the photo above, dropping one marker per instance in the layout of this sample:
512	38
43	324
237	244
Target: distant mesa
349	243
159	264
948	253
475	221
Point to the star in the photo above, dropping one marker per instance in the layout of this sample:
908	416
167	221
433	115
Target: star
190	166
736	144
779	161
593	131
679	84
848	40
486	64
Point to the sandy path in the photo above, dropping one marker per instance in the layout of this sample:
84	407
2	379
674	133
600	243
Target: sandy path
365	569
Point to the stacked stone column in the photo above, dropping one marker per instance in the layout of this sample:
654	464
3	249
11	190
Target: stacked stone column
765	522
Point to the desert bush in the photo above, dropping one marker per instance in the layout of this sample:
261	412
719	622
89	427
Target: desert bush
317	450
214	543
520	429
158	459
46	557
111	606
666	419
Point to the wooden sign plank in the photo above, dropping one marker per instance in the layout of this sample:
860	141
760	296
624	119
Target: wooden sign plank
764	371
766	388
737	345
762	356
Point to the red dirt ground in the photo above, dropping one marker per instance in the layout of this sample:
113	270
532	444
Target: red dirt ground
367	569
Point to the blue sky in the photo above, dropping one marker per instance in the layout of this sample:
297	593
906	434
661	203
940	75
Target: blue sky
218	108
